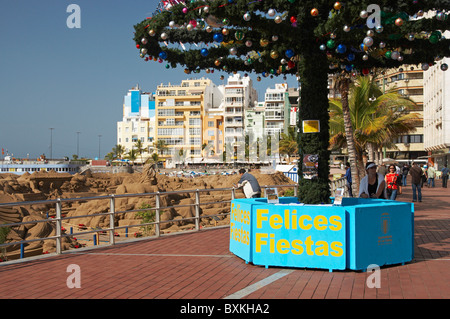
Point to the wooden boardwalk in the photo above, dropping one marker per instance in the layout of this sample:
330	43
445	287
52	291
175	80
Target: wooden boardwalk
199	266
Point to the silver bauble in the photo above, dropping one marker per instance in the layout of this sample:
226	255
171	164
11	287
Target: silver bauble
368	41
346	28
164	36
363	14
379	28
271	12
370	33
382	45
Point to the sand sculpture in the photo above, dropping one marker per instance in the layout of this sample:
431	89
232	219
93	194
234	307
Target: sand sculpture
51	185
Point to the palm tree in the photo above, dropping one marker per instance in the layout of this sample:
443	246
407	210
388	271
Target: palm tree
376	119
289	143
132	155
119	150
161	146
139	147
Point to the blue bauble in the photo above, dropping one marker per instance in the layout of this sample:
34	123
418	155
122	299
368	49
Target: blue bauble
341	48
163	55
218	37
350	57
289	53
204	52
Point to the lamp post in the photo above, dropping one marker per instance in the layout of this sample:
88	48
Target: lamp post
51	141
99	139
78	144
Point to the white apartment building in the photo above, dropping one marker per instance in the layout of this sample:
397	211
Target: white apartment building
239	95
138	122
436	121
277	109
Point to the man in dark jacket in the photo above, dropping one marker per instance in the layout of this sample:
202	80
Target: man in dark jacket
249	184
416	178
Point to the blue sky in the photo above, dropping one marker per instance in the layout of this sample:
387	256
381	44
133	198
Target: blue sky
52	76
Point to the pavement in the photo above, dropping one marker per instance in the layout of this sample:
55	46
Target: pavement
199	266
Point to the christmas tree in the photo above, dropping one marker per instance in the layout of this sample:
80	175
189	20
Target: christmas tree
309	39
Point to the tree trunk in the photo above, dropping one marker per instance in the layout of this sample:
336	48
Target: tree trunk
344	86
313	73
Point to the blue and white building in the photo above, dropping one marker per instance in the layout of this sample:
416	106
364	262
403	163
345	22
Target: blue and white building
138	122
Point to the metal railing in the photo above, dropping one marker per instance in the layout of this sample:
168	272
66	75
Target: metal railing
112	213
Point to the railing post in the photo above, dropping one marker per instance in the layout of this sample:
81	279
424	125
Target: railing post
197	210
58	227
296	190
233	193
111	220
158	205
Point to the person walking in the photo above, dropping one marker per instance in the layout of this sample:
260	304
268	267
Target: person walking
405	171
424	175
392	180
348	177
431	172
444	172
416	182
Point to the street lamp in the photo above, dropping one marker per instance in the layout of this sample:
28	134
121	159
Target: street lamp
51	141
78	144
99	138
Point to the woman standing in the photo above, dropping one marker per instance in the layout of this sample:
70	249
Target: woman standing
373	184
392	182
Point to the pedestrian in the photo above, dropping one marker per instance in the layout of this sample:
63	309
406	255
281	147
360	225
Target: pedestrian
348	177
423	179
249	184
431	174
392	180
444	172
373	184
416	181
405	171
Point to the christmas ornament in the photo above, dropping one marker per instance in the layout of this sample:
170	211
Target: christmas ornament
239	35
263	42
204	52
368	41
218	37
289	53
163	55
399	22
152	32
278	19
315	12
274	54
144	41
271	12
341	48
247	17
164	36
248	43
233	51
330	44
444	66
337	6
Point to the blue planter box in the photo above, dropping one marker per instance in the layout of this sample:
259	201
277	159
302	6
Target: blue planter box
354	235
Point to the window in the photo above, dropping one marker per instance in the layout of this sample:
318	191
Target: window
210	123
194	121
